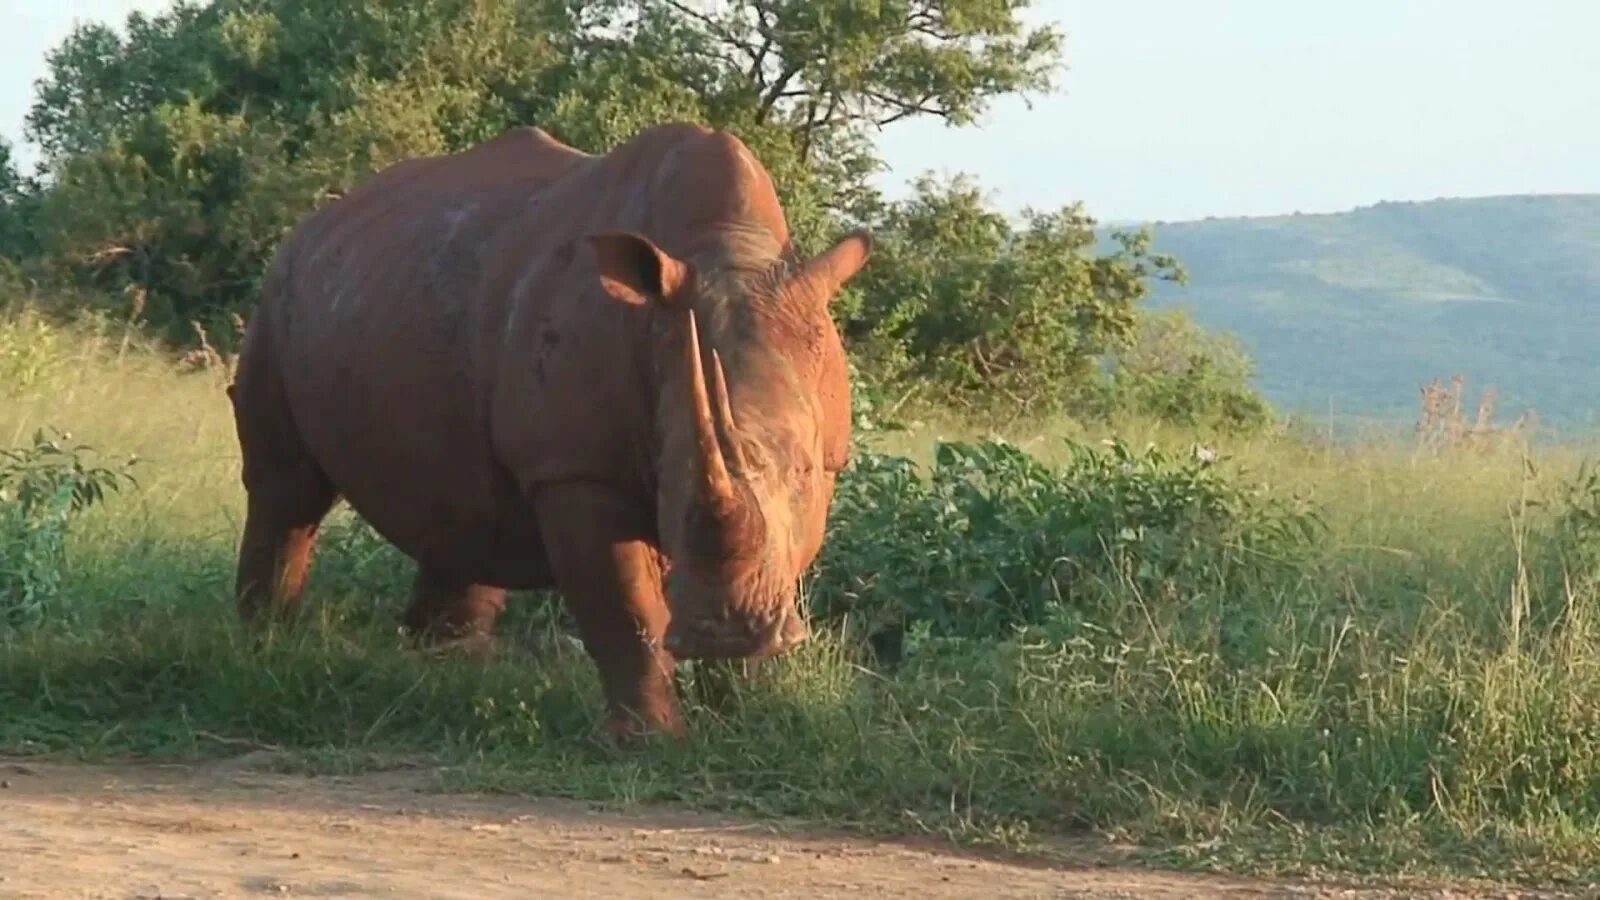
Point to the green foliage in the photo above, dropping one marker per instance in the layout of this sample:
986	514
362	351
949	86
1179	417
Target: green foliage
43	489
993	540
1174	371
181	151
10	180
982	313
359	559
15	231
172	217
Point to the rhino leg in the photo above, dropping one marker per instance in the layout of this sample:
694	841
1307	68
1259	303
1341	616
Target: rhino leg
610	579
447	611
280	529
287	493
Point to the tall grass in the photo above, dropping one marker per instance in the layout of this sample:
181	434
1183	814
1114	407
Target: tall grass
1413	688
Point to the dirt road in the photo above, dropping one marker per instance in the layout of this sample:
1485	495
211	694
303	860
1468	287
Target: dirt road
226	830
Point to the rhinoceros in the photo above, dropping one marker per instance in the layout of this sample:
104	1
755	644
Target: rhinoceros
530	367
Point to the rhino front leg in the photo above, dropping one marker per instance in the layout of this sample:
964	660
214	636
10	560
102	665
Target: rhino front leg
610	579
447	611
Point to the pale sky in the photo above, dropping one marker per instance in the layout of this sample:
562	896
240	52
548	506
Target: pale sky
1177	109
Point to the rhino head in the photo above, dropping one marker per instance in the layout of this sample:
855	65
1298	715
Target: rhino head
753	420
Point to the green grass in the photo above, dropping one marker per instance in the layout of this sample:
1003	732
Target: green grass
1417	694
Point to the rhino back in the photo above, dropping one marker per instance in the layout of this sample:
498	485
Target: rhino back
387	334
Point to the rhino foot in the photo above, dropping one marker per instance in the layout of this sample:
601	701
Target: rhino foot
480	647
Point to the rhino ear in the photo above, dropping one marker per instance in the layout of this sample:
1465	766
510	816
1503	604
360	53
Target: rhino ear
839	263
634	270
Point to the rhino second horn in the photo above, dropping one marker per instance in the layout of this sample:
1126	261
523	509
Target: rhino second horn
722	410
716	481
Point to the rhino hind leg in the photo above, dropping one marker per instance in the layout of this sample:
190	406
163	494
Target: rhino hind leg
447	611
287	492
280	531
610	580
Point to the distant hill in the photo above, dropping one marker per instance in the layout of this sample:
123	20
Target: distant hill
1352	312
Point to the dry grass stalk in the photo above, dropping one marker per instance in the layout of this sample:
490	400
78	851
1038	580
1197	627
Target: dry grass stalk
207	357
1443	425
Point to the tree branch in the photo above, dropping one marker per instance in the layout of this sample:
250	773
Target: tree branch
805	132
717	29
759	63
903	109
778	90
927	23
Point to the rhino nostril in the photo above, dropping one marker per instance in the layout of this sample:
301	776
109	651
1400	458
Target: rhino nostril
793	631
771	629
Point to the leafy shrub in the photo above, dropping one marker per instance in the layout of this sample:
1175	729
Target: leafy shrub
43	488
993	540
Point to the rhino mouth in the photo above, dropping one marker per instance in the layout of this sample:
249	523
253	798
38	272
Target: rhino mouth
736	638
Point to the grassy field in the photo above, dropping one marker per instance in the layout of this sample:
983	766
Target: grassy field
1412	686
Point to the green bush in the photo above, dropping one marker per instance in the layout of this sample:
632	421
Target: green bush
992	540
43	489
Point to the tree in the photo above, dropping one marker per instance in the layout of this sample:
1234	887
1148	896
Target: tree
821	67
180	151
831	73
961	301
14	227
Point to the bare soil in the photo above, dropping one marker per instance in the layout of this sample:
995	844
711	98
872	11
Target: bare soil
233	830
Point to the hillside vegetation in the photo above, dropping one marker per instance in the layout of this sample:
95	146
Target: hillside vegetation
1355	311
